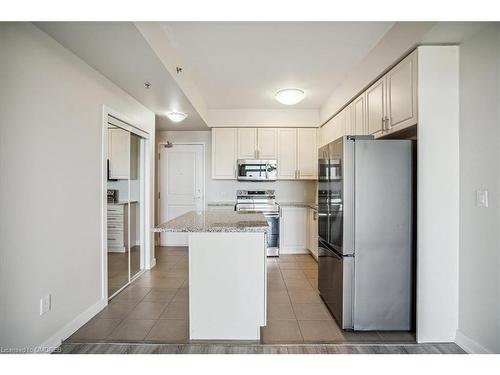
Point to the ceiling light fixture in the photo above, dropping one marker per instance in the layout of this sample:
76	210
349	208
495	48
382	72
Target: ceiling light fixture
176	116
289	96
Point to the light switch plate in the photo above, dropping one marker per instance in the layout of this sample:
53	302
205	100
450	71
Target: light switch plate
44	304
481	198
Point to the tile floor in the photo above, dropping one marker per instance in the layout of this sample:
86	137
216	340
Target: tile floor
118	268
155	307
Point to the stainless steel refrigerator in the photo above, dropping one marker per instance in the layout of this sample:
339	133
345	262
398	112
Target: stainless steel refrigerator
365	219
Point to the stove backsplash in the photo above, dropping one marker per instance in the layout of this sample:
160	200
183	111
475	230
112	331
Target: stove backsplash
286	191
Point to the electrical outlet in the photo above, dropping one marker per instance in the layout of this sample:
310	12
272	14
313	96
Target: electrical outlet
45	304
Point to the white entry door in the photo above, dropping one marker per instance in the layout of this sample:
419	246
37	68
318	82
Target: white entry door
181	181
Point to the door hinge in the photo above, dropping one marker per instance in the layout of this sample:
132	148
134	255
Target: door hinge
159	156
159	195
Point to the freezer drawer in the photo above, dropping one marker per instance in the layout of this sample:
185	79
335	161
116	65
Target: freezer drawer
335	283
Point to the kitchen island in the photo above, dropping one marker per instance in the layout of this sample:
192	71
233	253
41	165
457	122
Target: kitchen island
227	273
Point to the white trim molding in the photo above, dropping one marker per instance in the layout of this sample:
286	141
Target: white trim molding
57	338
469	345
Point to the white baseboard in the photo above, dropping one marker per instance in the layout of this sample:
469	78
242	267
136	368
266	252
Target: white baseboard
152	263
469	345
57	338
116	249
287	251
314	255
174	243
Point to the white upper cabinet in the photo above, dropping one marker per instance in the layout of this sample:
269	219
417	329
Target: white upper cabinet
388	105
256	143
349	122
339	125
118	154
287	154
402	94
247	143
224	153
375	105
359	115
267	143
307	154
333	129
294	149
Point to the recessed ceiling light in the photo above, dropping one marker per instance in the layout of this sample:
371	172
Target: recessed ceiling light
289	96
176	116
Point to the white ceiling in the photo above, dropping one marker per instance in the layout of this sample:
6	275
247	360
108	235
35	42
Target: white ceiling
242	64
119	52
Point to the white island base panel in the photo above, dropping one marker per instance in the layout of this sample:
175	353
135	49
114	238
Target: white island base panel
227	285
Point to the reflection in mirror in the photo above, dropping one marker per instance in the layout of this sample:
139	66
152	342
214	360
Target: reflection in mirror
117	208
136	206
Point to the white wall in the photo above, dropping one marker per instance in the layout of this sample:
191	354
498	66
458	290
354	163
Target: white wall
438	193
479	292
225	190
51	184
261	118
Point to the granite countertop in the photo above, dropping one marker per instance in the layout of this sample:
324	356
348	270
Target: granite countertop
223	220
312	205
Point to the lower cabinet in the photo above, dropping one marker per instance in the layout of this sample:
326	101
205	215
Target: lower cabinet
294	230
117	228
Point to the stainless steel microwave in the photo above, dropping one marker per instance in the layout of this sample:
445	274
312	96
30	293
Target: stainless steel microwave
257	170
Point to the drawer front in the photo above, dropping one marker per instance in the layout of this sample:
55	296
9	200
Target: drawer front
115	208
115	226
115	239
115	220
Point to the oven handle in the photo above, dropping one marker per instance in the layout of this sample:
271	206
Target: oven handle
277	215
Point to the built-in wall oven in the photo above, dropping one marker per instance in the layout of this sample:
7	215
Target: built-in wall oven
263	201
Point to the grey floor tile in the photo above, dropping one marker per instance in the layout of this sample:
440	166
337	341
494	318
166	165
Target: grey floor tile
290	266
147	310
132	329
117	309
132	293
171	331
281	331
311	311
176	310
310	273
160	295
280	311
280	296
96	329
304	296
298	284
320	331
